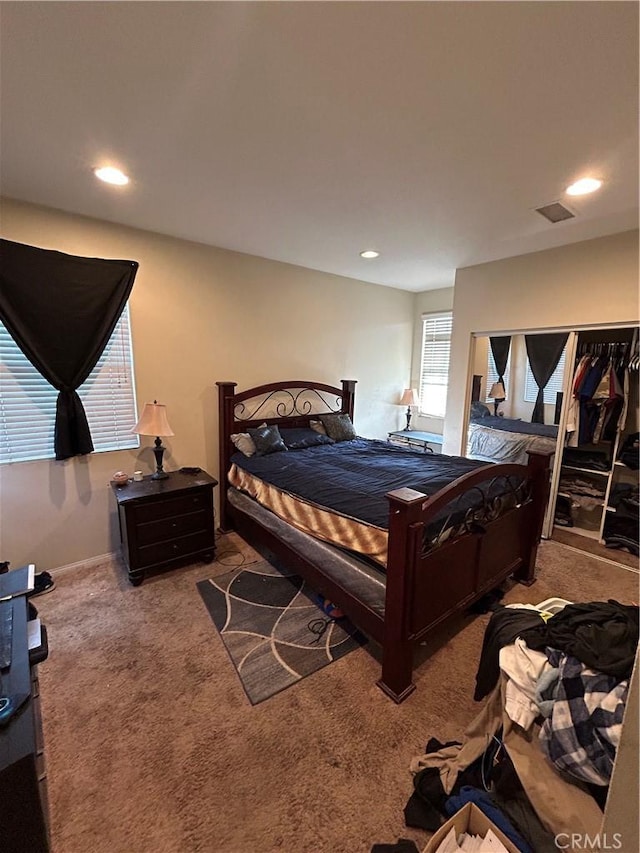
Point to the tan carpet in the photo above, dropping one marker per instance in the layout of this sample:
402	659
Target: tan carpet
153	747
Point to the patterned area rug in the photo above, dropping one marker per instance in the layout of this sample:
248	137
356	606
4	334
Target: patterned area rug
273	629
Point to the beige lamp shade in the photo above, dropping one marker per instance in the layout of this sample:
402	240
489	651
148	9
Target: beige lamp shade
409	397
497	391
153	420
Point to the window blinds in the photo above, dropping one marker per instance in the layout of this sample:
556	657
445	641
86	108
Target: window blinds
434	372
28	402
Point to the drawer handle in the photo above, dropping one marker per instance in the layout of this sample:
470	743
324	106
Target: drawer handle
175	548
173	524
196	500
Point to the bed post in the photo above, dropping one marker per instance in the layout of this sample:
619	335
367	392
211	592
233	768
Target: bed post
405	542
348	396
539	472
225	428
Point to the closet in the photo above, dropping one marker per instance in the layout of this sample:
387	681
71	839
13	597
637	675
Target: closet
594	489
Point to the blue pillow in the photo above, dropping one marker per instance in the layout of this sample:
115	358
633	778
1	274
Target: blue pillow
267	439
303	437
479	410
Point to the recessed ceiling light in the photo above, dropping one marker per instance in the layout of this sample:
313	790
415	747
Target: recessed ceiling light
111	176
370	253
584	186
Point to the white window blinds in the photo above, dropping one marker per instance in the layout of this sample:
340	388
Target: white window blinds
28	402
434	372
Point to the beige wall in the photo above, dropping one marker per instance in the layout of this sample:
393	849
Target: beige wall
198	315
594	282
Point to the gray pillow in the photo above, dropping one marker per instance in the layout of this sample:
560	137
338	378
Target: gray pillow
244	443
479	410
338	426
267	440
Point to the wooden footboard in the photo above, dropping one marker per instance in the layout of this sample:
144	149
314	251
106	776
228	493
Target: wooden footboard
427	585
427	581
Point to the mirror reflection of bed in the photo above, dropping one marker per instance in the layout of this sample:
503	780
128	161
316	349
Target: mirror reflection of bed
500	427
593	490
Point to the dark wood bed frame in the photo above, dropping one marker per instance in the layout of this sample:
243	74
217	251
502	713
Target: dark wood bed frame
423	587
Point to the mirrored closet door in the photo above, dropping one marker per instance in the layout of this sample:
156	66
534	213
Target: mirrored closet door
573	394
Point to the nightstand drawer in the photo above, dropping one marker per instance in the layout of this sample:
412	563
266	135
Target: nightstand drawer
155	510
162	552
170	528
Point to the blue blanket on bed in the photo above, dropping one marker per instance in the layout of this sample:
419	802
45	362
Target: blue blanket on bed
353	477
517	425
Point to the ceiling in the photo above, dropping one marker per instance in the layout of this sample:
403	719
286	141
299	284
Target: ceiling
306	132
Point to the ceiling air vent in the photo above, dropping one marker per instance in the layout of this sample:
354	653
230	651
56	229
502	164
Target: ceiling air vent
555	212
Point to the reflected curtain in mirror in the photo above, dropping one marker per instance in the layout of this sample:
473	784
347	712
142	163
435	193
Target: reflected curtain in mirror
544	353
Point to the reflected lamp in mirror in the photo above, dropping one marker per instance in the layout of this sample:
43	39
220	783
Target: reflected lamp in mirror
153	421
498	395
409	398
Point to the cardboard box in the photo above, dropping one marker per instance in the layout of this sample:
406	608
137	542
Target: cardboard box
472	820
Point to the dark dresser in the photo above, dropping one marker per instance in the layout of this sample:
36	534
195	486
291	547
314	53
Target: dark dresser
24	822
165	523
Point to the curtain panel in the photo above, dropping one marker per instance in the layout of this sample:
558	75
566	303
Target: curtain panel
61	311
544	353
500	351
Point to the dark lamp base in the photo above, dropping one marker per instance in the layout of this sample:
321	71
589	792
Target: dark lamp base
158	451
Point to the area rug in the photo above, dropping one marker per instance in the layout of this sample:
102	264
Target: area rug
273	628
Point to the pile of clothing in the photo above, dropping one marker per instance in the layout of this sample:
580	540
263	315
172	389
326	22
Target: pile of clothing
554	687
572	670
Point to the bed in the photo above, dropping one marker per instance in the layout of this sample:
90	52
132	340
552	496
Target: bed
497	439
403	572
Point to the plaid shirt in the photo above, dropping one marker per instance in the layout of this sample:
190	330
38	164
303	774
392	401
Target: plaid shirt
582	734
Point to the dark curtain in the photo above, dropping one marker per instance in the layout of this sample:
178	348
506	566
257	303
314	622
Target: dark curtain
500	350
544	353
61	311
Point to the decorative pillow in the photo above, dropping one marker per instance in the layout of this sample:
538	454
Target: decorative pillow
479	410
244	443
299	439
338	426
317	426
267	440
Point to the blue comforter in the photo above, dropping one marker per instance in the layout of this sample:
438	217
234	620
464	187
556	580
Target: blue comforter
353	477
517	425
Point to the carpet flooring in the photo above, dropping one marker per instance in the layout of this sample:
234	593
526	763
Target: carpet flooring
273	630
151	745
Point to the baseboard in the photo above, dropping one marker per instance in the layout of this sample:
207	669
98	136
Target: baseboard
90	563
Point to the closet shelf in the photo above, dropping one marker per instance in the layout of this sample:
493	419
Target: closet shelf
587	470
583	531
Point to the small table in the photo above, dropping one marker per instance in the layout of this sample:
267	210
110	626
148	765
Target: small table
415	438
165	523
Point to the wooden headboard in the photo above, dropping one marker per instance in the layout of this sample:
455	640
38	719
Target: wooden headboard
288	404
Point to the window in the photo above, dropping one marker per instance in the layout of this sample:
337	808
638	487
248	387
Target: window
552	387
434	371
492	374
28	402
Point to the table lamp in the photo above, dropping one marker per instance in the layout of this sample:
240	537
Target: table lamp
154	422
498	395
409	398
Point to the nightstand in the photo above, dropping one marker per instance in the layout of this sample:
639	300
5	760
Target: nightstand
415	438
165	523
